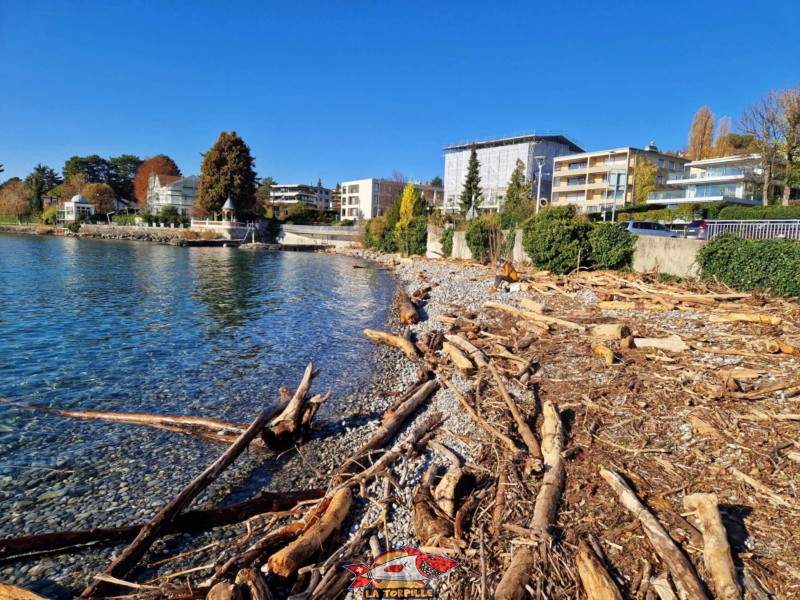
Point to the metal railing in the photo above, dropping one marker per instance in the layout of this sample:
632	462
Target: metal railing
756	230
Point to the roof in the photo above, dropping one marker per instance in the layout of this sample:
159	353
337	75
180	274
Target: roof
737	159
78	199
560	138
167	179
228	204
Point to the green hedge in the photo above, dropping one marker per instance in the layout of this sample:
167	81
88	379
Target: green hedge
484	237
446	240
611	246
746	264
24	219
745	213
556	241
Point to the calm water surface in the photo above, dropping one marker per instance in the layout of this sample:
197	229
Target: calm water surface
118	326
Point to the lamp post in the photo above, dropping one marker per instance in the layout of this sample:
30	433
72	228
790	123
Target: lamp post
540	161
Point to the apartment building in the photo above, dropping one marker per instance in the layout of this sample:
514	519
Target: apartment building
498	159
370	198
169	190
297	193
596	181
733	179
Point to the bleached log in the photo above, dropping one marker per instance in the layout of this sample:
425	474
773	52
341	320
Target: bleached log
609	331
522	426
287	423
287	561
470	349
597	583
716	550
528	304
689	586
12	592
606	353
395	341
534	316
672	343
406	310
460	360
745	318
617	305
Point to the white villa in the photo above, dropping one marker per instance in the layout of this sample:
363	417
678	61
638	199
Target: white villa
170	190
734	179
77	207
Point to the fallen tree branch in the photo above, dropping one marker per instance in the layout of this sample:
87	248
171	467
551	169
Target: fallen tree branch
402	344
597	583
522	426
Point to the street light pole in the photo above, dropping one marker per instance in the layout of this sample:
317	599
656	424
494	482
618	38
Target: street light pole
540	160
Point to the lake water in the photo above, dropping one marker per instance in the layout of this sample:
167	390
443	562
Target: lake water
133	327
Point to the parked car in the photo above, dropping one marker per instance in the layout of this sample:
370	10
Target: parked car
697	230
648	228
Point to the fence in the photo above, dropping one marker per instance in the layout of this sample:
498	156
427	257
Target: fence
756	230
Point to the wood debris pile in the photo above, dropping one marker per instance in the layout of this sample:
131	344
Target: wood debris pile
633	439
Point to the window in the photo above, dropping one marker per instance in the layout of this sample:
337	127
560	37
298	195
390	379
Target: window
659	179
575	196
671	166
680	169
353	189
576	181
577	165
660	163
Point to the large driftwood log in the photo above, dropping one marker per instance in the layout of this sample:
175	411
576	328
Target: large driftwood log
597	583
460	360
11	592
284	428
672	343
150	532
689	586
193	520
609	331
472	351
285	562
716	550
405	346
406	310
745	318
533	316
606	353
522	426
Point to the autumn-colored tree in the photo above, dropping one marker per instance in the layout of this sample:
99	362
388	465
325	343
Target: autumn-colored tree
723	145
411	205
762	120
72	186
14	197
789	102
160	164
701	135
227	170
101	195
644	180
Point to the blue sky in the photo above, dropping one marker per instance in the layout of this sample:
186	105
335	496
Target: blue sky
348	90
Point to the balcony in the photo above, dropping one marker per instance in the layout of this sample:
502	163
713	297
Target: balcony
703	195
728	174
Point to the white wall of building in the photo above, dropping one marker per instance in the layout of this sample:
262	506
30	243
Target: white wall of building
181	194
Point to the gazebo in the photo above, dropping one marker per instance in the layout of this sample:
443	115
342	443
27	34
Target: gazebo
228	210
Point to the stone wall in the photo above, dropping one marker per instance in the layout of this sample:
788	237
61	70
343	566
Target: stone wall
674	256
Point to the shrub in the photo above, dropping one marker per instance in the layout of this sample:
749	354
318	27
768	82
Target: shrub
759	212
484	237
208	234
189	234
446	240
555	240
414	238
746	264
48	217
74	227
611	246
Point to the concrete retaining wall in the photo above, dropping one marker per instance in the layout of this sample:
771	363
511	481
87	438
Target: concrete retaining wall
311	235
434	246
667	255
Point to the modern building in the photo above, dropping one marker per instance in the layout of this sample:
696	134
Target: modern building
170	190
370	198
498	159
298	193
78	207
734	179
598	181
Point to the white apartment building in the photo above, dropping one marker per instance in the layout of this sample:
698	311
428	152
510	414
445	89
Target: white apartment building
498	159
171	190
734	179
597	181
298	193
370	198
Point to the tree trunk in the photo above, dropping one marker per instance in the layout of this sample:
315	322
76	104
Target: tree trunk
597	583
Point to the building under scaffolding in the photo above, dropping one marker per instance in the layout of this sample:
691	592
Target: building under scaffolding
498	158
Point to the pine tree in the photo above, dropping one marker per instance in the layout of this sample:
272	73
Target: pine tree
472	184
227	170
517	206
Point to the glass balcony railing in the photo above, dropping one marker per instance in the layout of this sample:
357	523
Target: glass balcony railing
706	191
709	173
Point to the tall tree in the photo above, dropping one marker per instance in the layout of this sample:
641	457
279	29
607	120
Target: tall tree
472	184
701	135
161	164
72	186
762	120
122	170
789	102
517	206
101	195
644	180
436	182
264	189
722	142
227	170
14	197
94	168
40	181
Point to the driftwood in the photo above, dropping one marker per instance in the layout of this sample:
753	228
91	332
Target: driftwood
609	331
224	590
11	592
617	305
597	583
689	586
606	353
473	352
716	550
253	585
285	562
529	304
150	532
265	502
402	344
534	316
406	310
672	343
522	426
430	521
460	360
745	318
522	314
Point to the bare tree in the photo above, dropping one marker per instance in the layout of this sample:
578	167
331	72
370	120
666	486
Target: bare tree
762	120
701	135
789	102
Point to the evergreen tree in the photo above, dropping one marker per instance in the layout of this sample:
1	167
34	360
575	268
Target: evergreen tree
517	206
41	180
472	184
227	170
